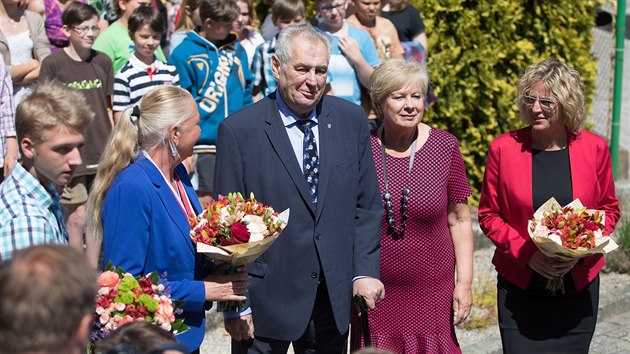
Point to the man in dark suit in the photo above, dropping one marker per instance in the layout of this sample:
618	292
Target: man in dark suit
301	150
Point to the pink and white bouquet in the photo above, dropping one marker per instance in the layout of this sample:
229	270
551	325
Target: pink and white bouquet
123	298
236	231
568	233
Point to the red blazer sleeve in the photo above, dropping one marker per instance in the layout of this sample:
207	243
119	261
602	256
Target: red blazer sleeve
608	202
509	236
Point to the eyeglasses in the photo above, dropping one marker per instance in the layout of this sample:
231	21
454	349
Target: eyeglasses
545	103
397	232
329	8
82	31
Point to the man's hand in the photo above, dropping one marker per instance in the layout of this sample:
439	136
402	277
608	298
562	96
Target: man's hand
370	288
240	328
462	302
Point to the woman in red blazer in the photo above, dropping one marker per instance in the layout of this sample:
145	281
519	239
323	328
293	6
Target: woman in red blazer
551	157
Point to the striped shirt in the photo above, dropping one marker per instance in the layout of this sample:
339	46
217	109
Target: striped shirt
27	217
134	80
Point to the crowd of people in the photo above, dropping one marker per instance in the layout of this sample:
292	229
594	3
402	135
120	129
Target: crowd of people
111	145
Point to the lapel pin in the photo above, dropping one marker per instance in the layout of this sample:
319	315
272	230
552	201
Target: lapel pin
329	125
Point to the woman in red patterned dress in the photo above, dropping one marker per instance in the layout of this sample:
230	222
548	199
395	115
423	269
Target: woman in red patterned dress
426	228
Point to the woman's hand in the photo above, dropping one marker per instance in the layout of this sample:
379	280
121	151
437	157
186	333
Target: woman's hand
460	227
462	302
550	267
226	287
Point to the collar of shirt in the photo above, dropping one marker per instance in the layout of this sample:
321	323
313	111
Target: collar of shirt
288	117
296	137
272	45
33	187
137	63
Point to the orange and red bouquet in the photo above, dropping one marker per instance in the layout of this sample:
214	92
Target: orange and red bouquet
568	233
236	231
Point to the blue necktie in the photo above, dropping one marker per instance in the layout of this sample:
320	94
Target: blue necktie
310	160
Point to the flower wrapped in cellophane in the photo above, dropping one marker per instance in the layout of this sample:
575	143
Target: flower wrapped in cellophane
236	231
568	233
123	298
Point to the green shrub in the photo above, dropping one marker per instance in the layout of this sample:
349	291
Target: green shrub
477	50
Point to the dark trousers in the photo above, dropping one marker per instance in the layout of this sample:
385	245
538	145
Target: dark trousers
321	335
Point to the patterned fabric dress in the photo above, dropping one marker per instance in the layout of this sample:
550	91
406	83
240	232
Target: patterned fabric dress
418	269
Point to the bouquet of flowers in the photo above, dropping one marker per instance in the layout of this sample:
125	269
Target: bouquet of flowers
568	233
236	231
123	298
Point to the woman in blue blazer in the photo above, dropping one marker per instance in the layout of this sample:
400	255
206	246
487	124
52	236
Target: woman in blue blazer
141	202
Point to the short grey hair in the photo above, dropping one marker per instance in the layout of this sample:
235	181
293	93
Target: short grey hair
286	37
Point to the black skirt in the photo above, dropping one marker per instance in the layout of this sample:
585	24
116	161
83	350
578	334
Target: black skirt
533	321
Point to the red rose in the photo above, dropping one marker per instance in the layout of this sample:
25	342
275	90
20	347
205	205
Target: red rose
146	285
239	233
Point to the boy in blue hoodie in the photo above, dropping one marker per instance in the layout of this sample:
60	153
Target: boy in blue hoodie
214	69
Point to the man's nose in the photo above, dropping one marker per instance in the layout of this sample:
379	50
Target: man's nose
75	157
311	77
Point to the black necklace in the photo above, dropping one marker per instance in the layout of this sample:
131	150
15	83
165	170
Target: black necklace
396	232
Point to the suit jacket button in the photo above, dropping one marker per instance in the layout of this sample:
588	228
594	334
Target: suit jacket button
317	236
314	275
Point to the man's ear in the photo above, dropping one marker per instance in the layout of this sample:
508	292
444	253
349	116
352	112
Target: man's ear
208	22
275	66
65	30
122	5
82	334
27	146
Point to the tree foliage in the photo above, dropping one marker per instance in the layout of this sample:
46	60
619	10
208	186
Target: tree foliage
477	49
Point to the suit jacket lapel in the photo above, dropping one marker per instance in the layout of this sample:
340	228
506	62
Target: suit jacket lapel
277	134
173	208
326	156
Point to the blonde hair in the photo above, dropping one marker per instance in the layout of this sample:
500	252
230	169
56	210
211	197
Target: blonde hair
565	85
392	75
49	105
159	109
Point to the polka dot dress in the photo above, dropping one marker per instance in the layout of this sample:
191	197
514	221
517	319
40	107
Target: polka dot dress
418	267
